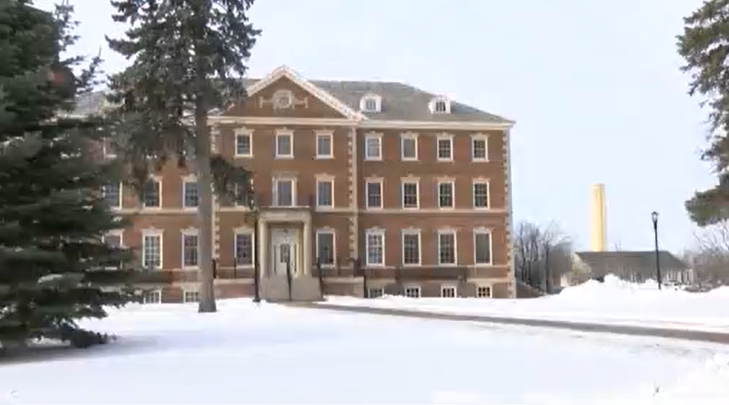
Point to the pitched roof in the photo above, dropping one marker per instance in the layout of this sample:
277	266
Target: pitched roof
638	262
400	102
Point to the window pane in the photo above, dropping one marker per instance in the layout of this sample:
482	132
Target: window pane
324	193
411	249
410	195
374	194
372	147
444	148
191	198
151	194
283	145
409	148
112	195
445	194
482	242
243	144
152	251
446	248
243	249
325	246
190	250
479	149
284	189
480	195
374	248
324	145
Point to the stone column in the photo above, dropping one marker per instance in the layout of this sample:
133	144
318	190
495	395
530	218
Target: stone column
307	246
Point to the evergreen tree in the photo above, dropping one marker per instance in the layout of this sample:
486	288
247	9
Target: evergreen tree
188	58
53	218
704	45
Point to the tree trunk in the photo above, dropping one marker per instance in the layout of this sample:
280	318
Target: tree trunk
205	209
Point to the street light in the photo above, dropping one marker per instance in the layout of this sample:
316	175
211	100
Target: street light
654	217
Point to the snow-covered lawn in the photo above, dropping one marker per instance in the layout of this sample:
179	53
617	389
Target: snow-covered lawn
169	354
611	302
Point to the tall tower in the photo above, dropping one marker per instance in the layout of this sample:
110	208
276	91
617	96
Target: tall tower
598	219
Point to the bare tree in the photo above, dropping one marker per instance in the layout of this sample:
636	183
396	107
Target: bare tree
541	254
709	258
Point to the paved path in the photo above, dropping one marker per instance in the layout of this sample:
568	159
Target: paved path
693	335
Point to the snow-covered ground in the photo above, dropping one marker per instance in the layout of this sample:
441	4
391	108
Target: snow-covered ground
169	354
611	302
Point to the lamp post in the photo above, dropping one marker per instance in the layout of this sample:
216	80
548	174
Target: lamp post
654	218
256	268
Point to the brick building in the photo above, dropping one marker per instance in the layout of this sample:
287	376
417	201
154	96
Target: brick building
367	178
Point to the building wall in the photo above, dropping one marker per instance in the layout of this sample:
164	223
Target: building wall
350	218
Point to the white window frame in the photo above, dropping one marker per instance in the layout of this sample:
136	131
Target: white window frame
152	293
367	193
413	288
408	136
443	288
107	148
324	179
183	234
153	233
409	180
455	246
381	234
276	198
370	97
488	193
327	231
485	139
433	105
490	290
191	291
483	231
185	180
411	232
251	233
367	138
444	137
320	135
247	133
160	194
281	133
121	196
118	233
378	292
452	183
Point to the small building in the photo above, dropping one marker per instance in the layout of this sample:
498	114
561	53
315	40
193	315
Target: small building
634	266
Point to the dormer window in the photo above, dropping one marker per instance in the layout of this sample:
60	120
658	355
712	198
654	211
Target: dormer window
440	105
370	103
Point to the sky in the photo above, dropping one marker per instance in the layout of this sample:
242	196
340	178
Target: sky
594	87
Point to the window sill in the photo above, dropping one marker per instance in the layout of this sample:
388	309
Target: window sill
243	156
324	157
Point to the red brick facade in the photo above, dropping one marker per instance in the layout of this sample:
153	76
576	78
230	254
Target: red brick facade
420	202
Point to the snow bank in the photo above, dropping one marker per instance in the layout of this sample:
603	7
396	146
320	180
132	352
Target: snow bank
612	302
708	385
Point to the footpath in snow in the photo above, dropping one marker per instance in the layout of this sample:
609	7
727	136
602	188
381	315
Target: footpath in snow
614	302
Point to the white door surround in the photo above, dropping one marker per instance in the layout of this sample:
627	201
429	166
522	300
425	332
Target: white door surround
291	229
285	250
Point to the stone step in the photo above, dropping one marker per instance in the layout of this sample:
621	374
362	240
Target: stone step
303	288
